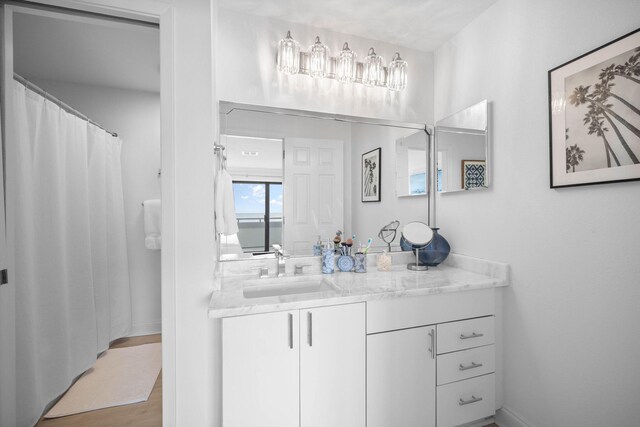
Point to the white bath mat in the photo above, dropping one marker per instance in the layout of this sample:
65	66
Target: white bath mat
120	376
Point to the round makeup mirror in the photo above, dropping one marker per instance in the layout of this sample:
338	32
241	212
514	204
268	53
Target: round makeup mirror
415	236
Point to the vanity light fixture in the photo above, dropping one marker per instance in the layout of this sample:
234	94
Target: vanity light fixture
372	69
288	55
318	57
397	73
344	67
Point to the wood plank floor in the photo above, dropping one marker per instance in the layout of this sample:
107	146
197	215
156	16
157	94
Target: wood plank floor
144	414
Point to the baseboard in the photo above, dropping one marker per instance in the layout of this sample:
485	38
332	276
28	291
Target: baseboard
506	418
479	423
145	329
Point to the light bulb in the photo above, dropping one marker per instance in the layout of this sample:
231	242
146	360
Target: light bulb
346	65
288	55
397	73
372	69
318	57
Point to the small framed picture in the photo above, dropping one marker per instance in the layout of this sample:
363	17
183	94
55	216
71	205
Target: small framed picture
594	115
371	176
474	174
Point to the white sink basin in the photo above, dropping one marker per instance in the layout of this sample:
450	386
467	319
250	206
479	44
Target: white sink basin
287	286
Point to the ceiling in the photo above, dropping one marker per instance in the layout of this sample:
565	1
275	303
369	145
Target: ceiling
417	24
115	54
87	51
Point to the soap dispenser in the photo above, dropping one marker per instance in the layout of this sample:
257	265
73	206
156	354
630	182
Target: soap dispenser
317	248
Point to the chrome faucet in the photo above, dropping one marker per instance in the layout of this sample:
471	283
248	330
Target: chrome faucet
280	256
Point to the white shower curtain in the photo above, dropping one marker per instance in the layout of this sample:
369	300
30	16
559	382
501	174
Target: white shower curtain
71	269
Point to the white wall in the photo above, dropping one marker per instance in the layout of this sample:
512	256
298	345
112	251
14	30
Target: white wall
246	72
571	314
135	116
369	217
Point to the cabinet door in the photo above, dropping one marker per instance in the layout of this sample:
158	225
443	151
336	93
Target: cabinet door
260	370
401	378
332	366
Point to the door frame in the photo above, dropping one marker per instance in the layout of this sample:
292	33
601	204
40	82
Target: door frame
163	14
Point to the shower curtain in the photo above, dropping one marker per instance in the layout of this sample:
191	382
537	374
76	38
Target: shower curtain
71	269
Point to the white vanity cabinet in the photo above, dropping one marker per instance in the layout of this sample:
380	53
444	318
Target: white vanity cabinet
401	374
260	374
298	368
431	359
466	370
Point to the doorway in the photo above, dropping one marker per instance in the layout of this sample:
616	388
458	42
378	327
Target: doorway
105	71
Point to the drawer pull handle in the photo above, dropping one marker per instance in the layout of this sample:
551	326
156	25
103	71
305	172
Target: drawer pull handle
309	328
472	366
290	325
472	400
473	335
432	348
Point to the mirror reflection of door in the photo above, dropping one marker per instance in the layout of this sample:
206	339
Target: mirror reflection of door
314	186
255	166
411	165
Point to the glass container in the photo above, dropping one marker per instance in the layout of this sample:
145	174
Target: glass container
288	55
373	70
397	73
360	262
384	262
318	58
346	65
328	261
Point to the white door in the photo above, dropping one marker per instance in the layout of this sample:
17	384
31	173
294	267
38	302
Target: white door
401	378
313	192
332	366
260	370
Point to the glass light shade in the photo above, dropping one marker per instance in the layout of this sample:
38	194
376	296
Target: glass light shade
288	55
372	69
318	58
346	65
397	73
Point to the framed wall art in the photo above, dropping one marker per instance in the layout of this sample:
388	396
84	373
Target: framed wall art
594	115
371	175
474	174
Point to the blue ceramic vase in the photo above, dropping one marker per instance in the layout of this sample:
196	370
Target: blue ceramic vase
436	251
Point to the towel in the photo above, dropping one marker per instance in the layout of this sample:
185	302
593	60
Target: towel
226	222
152	224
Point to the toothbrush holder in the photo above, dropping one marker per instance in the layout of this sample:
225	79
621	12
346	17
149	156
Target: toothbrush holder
360	262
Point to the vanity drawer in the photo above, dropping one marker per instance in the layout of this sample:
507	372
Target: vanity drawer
461	365
466	401
465	334
410	312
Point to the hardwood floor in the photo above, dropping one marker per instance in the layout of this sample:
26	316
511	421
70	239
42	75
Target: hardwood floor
144	414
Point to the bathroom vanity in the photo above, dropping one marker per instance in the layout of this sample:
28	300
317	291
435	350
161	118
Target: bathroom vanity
375	349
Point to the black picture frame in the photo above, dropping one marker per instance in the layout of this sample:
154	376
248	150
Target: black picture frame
583	113
371	176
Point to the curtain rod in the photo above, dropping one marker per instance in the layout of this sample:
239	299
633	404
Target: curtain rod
29	85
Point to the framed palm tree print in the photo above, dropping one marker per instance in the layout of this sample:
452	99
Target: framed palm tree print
594	115
371	176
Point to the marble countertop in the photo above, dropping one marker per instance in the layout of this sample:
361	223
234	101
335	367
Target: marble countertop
458	273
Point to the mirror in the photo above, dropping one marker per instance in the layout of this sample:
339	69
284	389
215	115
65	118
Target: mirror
462	150
411	166
298	178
